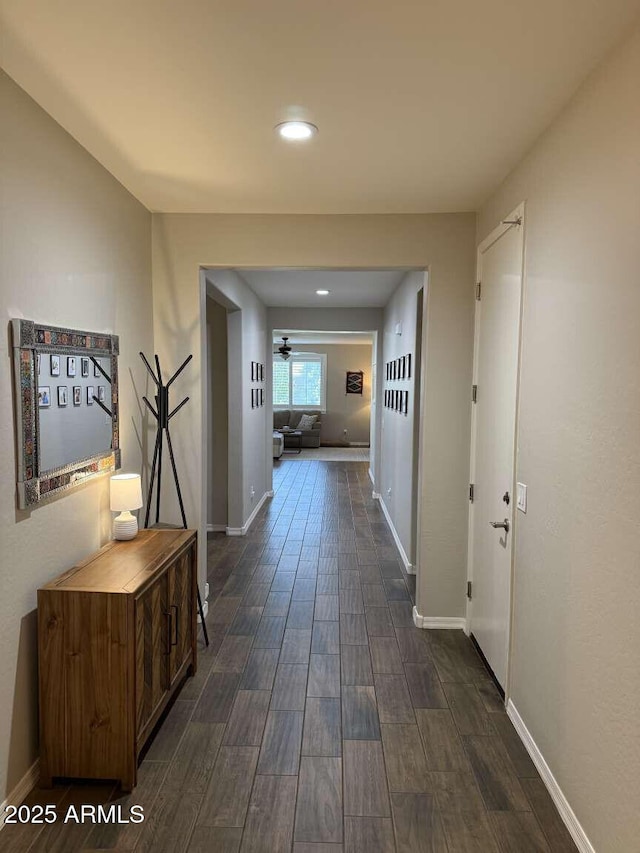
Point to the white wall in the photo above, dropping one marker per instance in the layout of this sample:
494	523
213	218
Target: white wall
396	485
445	243
248	341
575	676
76	252
218	416
351	412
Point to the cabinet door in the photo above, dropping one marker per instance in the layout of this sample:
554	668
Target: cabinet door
180	590
152	650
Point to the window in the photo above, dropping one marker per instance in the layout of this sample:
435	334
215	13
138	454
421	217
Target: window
300	382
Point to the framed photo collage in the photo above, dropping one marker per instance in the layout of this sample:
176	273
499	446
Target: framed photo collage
397	398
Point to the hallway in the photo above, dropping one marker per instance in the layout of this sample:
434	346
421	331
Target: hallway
337	721
320	719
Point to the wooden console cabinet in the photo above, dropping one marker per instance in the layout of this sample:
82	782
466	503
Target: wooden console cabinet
116	635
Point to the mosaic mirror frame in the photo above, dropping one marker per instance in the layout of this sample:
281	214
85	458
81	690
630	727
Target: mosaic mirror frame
31	340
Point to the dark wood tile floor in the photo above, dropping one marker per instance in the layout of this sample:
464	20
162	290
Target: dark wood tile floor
320	719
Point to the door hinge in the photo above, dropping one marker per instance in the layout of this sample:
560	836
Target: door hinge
472	490
479	290
469	589
474	393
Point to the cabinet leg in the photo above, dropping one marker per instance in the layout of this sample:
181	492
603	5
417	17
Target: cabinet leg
127	784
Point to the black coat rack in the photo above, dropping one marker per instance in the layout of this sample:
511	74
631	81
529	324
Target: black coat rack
163	415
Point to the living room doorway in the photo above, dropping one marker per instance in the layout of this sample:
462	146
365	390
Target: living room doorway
323	394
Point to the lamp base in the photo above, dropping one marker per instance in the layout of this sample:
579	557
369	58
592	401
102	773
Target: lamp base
125	526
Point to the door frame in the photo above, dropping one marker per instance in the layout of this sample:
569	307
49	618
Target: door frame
501	229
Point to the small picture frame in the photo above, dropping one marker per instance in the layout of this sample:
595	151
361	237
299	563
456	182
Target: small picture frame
101	393
63	395
55	365
409	366
90	394
405	402
397	401
84	366
77	395
253	371
262	373
403	367
71	365
96	368
44	396
262	396
253	395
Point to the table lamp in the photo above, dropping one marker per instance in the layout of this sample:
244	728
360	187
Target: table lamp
126	494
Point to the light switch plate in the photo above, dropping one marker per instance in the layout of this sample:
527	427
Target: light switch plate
521	497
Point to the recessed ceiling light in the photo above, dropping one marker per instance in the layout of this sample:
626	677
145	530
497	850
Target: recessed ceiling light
322	292
296	131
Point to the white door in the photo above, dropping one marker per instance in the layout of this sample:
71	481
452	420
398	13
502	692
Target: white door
494	430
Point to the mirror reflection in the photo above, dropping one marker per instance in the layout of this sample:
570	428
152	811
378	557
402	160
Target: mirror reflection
73	425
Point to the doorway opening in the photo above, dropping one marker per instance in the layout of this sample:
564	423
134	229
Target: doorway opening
382	308
323	395
217	417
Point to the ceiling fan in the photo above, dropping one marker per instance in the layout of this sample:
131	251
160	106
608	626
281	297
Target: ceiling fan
285	349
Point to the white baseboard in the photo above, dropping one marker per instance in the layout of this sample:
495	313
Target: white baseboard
205	609
370	473
409	568
216	528
242	531
562	804
24	787
376	495
359	444
453	622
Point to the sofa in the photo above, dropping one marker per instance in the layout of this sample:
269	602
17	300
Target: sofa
291	418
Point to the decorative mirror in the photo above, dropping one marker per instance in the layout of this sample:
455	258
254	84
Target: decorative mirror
66	392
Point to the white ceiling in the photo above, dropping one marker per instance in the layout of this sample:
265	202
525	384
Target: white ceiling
301	338
422	106
289	288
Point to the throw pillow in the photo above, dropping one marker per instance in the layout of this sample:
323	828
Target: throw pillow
306	422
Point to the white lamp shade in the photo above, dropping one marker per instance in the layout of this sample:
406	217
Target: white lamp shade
126	492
